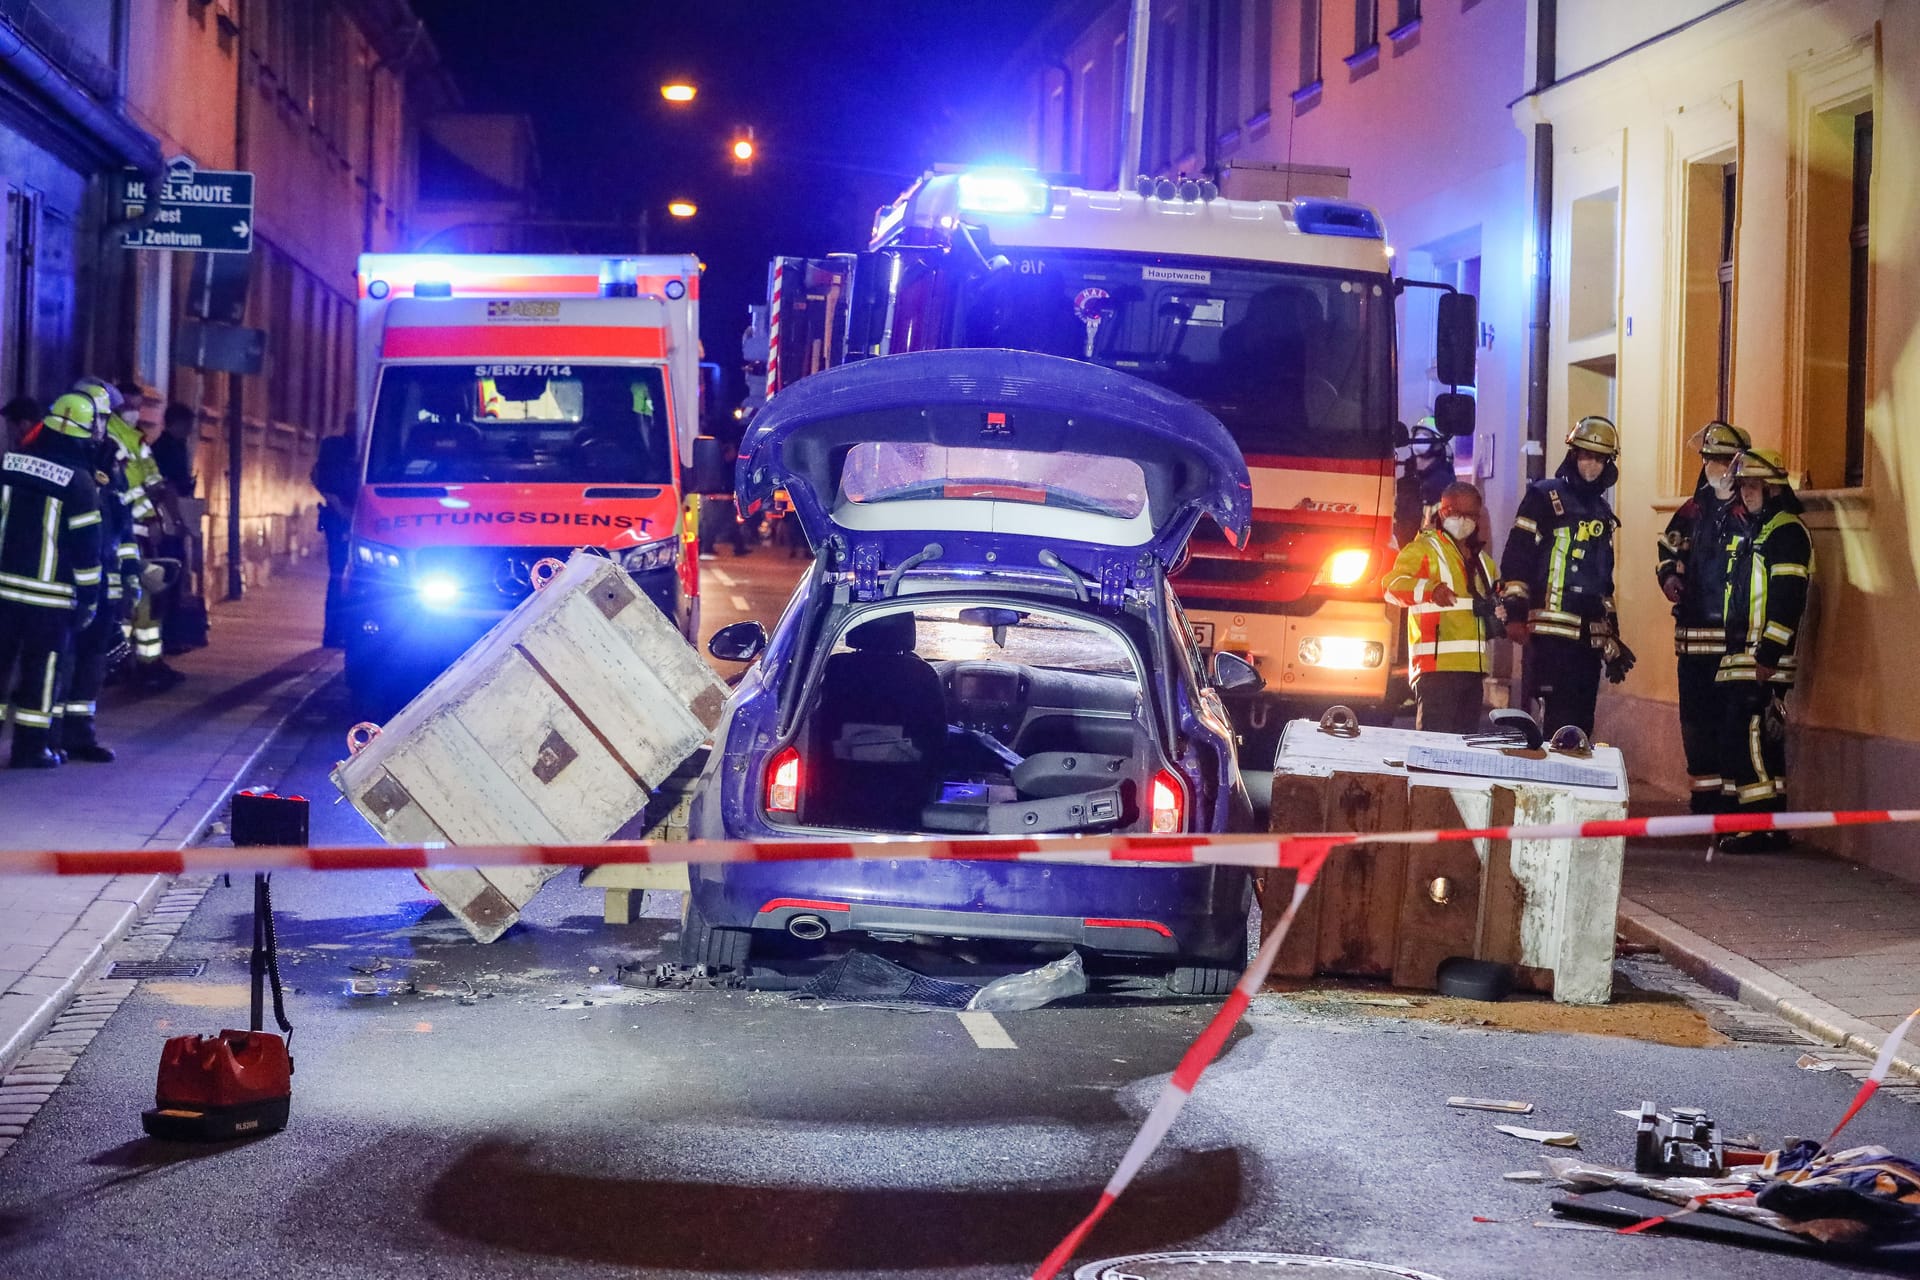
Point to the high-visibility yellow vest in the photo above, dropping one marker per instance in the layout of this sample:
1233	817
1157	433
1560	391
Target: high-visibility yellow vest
1441	637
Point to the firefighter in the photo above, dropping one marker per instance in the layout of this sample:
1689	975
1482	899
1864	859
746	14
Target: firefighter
144	483
49	567
1769	569
1557	579
1423	468
1445	579
102	644
1692	571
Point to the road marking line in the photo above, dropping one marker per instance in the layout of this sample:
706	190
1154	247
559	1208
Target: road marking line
740	603
986	1030
722	577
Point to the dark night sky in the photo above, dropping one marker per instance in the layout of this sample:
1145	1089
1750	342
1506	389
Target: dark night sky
848	101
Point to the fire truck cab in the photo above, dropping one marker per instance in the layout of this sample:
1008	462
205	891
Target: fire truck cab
1276	316
511	409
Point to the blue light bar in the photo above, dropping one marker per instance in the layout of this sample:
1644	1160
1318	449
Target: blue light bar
989	192
1337	218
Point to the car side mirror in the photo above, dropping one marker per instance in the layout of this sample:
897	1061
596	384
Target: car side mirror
1456	338
1453	413
738	642
1232	672
710	472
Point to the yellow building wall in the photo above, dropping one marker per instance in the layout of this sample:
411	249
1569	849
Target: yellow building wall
1750	85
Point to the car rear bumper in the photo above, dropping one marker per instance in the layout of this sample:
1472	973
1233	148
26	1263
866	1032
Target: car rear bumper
1135	910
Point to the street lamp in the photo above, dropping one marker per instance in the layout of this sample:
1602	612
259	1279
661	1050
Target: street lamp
678	91
682	208
742	149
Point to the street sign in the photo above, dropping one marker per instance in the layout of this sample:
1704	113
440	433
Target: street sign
198	210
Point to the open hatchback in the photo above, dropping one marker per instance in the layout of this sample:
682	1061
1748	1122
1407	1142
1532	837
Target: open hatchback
985	644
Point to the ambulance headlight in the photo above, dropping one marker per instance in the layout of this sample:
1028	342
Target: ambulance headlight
437	591
650	556
377	556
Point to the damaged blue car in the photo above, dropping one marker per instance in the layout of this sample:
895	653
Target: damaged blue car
986	643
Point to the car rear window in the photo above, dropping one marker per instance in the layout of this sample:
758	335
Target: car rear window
891	471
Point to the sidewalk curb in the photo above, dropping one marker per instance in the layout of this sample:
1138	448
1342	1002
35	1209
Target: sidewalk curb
1758	987
136	907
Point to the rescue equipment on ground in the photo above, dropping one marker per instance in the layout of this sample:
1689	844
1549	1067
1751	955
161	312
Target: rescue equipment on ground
238	1084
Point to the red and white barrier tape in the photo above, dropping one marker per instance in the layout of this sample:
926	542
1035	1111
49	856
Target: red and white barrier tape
1243	850
1305	854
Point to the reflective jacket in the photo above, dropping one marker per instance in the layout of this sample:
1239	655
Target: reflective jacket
1767	579
136	461
1694	549
49	524
1441	637
1558	563
119	554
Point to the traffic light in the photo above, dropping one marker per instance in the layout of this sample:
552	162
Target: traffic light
742	151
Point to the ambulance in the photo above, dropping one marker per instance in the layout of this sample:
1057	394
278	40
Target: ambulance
512	409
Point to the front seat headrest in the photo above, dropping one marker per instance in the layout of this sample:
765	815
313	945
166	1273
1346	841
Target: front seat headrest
893	633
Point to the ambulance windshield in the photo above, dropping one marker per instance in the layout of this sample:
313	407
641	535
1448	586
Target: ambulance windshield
520	423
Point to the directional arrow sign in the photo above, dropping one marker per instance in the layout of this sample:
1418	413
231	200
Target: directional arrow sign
197	210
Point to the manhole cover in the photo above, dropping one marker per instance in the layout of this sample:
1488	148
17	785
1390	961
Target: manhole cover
1215	1265
157	969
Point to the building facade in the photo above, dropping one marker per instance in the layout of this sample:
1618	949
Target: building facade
1733	208
321	100
1409	100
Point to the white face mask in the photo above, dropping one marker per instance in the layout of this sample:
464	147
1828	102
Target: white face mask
1460	527
1722	486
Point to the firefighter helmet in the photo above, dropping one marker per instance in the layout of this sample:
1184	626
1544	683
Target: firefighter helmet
106	397
73	415
1722	440
1595	434
1761	464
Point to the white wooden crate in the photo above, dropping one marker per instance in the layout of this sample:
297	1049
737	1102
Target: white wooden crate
553	728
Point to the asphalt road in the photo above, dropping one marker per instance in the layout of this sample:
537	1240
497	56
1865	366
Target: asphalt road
463	1111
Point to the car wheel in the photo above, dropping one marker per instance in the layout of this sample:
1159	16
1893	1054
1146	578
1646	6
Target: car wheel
1202	979
715	946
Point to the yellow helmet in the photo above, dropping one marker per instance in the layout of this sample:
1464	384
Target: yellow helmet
1722	440
1595	434
105	396
1761	464
73	415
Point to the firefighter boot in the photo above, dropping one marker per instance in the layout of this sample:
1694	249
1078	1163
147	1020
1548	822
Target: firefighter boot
79	742
30	749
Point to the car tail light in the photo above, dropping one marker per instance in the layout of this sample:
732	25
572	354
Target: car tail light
1168	803
1344	568
783	781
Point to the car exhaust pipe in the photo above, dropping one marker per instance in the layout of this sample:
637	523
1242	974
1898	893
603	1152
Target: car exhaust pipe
808	928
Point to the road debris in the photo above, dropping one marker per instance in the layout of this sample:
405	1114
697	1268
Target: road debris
1493	1104
1525	1175
1807	1062
1036	987
1546	1137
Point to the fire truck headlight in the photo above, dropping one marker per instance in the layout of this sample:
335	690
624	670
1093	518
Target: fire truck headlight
1003	193
1344	568
1342	653
437	590
650	556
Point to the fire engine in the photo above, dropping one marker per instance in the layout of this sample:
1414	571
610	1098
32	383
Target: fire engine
513	408
1278	317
